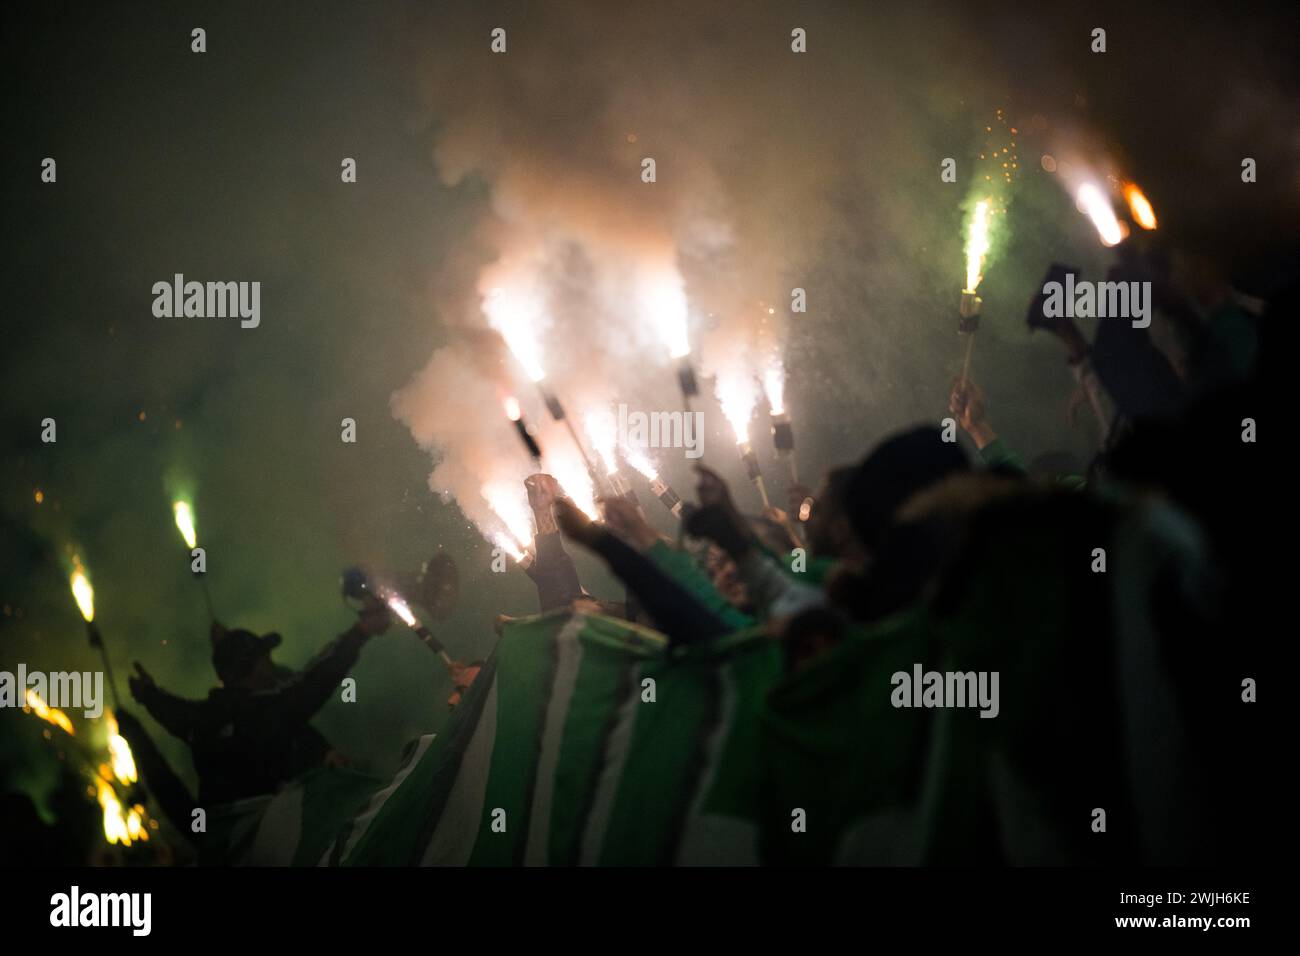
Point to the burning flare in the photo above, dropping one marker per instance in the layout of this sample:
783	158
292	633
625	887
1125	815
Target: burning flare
135	827
665	300
123	762
1140	207
401	609
977	244
185	523
774	385
602	429
119	827
82	591
640	461
51	715
570	471
1096	207
515	316
511	508
736	396
510	547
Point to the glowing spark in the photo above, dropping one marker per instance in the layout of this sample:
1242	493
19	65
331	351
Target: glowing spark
135	824
185	523
665	301
1094	204
117	829
513	412
737	396
511	508
1140	207
120	752
774	386
977	244
602	429
571	473
401	609
82	591
516	316
511	548
51	715
639	460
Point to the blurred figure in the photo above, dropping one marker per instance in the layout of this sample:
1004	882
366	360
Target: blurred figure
829	532
1225	349
252	734
744	557
904	554
552	569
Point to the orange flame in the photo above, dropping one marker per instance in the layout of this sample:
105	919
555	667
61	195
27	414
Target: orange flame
82	591
51	715
737	396
1140	207
119	826
120	752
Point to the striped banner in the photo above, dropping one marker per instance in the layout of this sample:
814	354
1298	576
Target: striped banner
583	741
293	827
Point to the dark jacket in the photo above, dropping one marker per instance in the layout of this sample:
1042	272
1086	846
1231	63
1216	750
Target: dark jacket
246	743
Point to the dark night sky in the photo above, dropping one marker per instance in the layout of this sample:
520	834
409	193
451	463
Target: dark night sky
225	166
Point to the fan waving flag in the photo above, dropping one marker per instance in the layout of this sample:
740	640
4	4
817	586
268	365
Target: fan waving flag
576	726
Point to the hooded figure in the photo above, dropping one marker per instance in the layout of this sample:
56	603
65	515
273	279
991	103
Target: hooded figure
903	556
252	734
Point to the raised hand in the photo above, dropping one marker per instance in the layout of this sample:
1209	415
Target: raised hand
543	492
966	402
576	525
626	518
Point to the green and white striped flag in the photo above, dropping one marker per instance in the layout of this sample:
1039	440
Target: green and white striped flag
293	827
583	741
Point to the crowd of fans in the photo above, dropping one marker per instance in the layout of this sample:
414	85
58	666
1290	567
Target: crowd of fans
1122	601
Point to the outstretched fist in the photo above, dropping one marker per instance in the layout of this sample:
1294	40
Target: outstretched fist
575	524
627	519
542	489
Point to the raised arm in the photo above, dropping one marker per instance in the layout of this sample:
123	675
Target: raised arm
674	609
307	691
177	715
553	570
